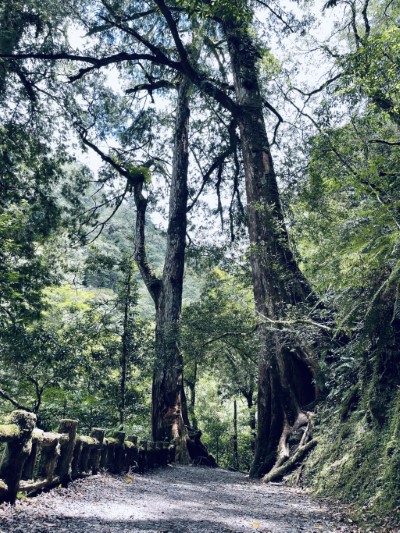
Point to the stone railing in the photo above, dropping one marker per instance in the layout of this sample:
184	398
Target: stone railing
35	459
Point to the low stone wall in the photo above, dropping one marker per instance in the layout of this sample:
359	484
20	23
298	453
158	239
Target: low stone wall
35	459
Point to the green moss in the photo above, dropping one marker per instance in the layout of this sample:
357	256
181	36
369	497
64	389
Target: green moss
350	402
37	435
358	461
139	172
88	441
8	432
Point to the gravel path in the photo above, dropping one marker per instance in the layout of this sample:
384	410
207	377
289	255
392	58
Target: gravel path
174	499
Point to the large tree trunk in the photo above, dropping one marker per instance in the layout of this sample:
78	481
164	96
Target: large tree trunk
170	419
285	374
168	404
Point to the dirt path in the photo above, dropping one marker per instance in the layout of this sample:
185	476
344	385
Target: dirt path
175	499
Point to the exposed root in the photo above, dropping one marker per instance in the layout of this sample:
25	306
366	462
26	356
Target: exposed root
277	473
285	463
197	451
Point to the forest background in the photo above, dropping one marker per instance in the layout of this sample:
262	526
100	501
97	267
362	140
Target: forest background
77	322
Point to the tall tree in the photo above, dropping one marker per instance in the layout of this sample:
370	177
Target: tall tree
285	379
169	406
169	410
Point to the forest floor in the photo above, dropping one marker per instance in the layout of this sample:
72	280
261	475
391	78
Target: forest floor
174	499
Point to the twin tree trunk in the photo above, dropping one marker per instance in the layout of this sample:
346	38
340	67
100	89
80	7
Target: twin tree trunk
285	374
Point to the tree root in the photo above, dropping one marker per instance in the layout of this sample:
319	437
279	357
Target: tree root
277	473
285	463
197	451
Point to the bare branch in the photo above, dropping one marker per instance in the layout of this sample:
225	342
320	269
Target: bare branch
13	402
279	117
321	87
219	160
278	16
380	141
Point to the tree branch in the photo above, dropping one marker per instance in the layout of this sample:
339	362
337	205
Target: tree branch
380	141
200	80
321	87
278	16
279	117
151	86
277	473
97	63
365	18
153	283
5	396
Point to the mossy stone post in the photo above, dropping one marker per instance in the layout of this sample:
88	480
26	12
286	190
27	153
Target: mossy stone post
128	454
142	456
119	463
133	452
30	463
87	445
104	454
49	457
95	453
111	443
133	439
76	458
64	466
17	451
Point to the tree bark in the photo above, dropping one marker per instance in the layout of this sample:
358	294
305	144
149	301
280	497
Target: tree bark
285	374
170	421
167	414
168	402
235	438
125	348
